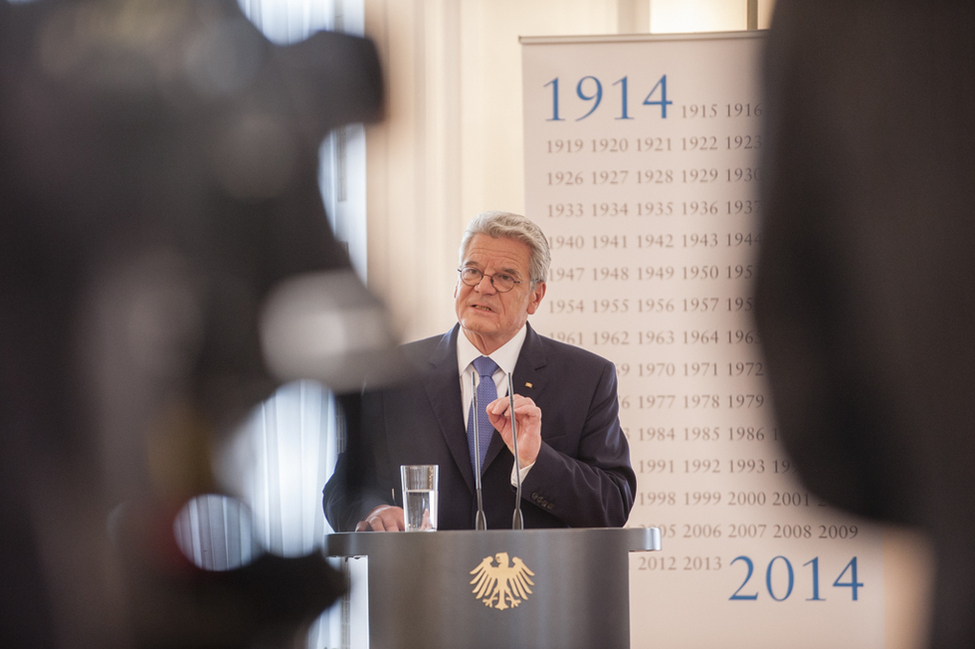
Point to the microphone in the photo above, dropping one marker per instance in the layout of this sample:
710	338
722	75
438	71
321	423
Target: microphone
516	521
481	521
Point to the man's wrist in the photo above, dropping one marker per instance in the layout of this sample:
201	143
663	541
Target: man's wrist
524	474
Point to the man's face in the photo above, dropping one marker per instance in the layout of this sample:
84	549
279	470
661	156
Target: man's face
488	318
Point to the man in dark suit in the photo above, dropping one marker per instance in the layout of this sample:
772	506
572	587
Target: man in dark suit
575	466
866	291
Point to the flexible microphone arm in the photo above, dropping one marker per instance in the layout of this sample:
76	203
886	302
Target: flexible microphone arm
516	521
481	523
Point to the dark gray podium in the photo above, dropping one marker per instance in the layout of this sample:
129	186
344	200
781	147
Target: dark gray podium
538	589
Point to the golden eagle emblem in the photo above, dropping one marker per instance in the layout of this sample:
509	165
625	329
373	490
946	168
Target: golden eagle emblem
504	585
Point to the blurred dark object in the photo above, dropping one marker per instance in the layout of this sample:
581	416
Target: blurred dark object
269	601
866	305
158	179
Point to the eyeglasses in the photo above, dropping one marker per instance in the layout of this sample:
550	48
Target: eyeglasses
501	282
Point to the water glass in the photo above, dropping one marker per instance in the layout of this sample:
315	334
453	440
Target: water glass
420	496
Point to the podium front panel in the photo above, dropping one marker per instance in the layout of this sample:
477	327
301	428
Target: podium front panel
531	588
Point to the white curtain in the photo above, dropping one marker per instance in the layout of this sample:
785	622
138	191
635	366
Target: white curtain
278	463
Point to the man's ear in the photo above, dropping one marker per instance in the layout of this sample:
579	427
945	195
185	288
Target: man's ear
536	297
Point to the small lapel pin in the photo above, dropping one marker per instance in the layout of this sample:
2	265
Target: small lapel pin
527	384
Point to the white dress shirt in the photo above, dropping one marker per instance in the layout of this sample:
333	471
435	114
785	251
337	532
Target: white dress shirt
506	358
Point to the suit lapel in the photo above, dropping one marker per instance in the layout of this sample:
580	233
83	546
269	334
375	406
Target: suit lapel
443	390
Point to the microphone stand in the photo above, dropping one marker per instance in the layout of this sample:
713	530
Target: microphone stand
481	523
516	521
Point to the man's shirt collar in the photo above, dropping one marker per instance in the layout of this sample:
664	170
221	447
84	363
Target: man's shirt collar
505	356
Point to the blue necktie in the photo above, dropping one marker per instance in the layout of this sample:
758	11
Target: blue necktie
486	393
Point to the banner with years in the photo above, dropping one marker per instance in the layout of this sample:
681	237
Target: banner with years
642	162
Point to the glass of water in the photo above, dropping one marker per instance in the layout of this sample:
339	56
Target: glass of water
420	496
